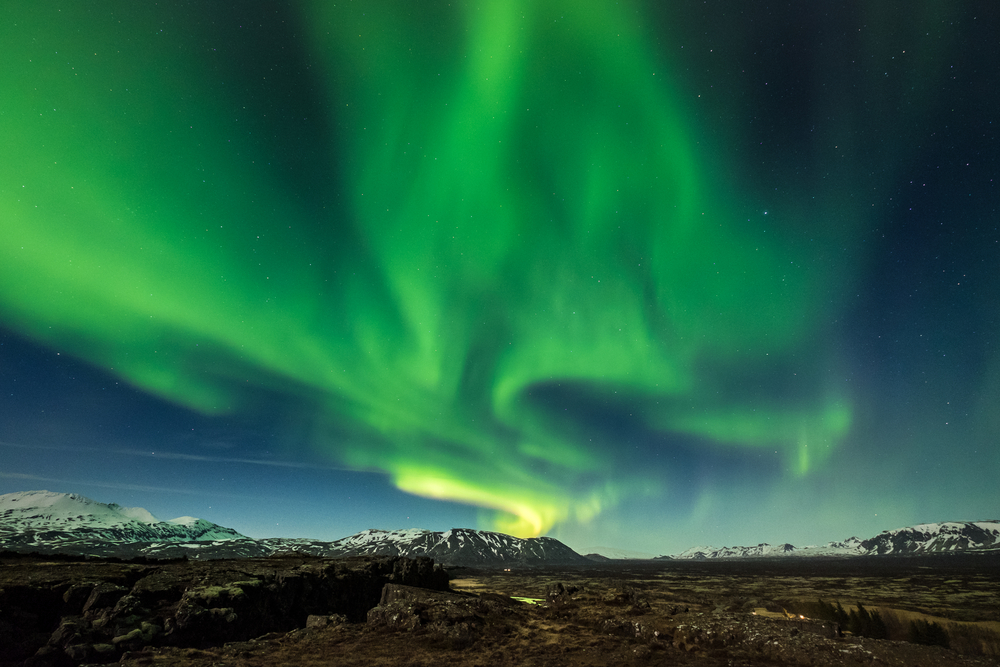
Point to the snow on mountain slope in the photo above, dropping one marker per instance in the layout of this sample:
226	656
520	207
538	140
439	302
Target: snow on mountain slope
458	546
42	510
936	538
43	519
71	523
614	553
138	513
849	547
920	539
759	551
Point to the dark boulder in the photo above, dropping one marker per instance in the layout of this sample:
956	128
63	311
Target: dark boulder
104	595
455	619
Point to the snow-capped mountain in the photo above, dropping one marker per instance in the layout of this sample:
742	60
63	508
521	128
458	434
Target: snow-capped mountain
759	551
921	539
43	519
936	538
459	546
601	553
69	523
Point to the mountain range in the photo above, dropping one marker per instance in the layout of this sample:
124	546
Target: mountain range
40	516
925	538
45	522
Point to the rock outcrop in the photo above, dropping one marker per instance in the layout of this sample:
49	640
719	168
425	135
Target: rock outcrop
454	619
55	613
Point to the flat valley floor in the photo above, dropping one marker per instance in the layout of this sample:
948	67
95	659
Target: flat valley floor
727	613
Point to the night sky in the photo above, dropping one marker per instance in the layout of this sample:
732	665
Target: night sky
641	275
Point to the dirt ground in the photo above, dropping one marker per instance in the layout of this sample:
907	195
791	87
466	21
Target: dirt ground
650	613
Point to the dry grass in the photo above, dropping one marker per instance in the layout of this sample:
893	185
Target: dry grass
970	638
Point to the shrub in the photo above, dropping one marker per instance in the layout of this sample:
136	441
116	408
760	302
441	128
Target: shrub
973	639
864	623
860	622
826	611
928	633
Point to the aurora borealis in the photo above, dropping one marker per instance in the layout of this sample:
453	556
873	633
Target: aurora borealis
699	271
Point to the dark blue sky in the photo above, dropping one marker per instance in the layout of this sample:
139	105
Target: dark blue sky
847	152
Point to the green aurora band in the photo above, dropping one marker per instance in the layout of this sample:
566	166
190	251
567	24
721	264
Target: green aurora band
524	206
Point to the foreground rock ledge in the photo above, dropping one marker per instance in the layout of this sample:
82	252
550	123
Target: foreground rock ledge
68	613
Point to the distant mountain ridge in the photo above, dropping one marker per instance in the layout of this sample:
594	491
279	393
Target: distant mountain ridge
925	538
936	538
70	523
39	517
459	546
48	522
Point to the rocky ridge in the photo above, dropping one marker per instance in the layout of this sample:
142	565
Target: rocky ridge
65	612
586	618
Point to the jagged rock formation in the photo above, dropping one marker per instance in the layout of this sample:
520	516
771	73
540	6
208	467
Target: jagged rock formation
453	618
690	614
72	612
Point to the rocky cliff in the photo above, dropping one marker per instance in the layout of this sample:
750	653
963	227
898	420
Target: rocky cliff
64	612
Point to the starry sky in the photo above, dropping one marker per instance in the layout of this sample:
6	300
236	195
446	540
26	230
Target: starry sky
638	275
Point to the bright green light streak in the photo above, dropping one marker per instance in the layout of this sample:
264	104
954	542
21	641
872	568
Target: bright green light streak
527	205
